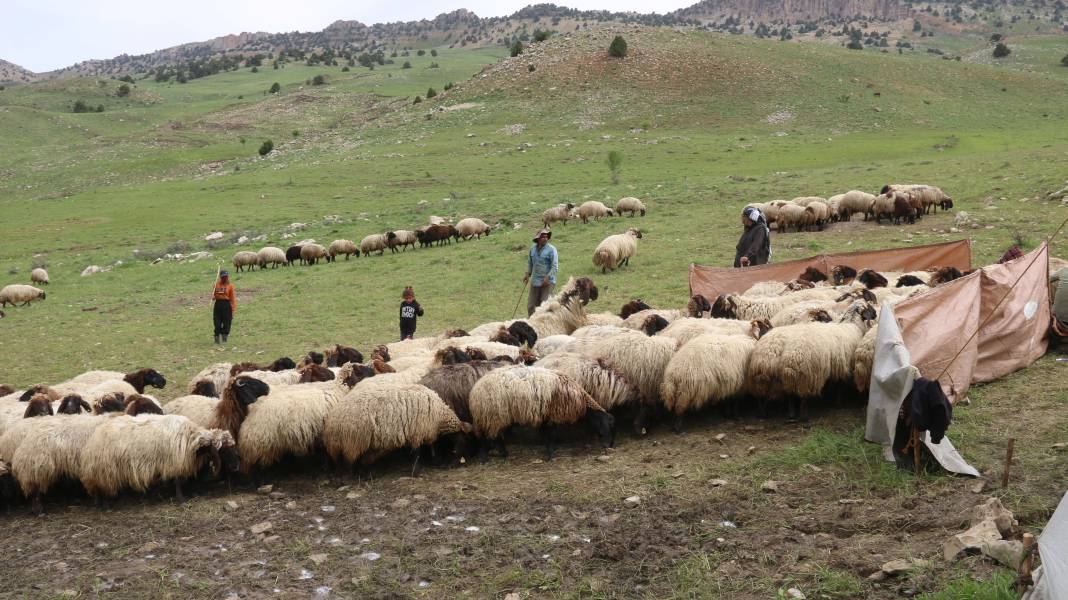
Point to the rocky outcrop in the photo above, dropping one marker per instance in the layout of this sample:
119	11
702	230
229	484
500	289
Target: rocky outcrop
795	10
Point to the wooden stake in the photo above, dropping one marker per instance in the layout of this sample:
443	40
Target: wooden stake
916	450
1008	463
1028	544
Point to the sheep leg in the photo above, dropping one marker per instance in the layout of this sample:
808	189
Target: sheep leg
641	419
416	453
676	426
178	495
36	506
549	432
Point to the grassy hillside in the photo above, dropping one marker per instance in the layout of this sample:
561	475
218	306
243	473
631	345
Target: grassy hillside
706	123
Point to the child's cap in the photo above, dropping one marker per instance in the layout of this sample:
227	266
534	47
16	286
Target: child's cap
407	292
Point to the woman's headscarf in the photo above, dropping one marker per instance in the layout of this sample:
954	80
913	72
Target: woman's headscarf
753	214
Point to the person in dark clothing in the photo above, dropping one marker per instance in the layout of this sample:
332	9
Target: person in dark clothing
754	247
409	311
225	306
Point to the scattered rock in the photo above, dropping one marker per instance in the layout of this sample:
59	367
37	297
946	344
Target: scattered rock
242	240
971	540
770	486
904	565
604	458
720	437
91	270
717	482
633	501
512	596
877	576
977	487
277	495
352	496
231	506
608	519
370	556
265	489
1007	552
271	539
1060	445
318	558
211	237
400	503
812	468
993	510
259	528
750	450
326	508
795	594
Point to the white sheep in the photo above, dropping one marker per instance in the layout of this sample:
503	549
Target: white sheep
765	289
616	250
684	330
607	386
806	200
311	253
346	247
593	209
884	205
599	332
271	255
373	420
711	368
217	374
39	275
472	228
287	421
560	212
630	205
562	314
640	358
137	452
791	215
821	213
604	318
402	238
552	344
375	242
18	293
863	359
851	202
533	397
246	258
797	361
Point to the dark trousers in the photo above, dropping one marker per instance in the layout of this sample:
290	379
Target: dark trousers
407	333
538	295
223	316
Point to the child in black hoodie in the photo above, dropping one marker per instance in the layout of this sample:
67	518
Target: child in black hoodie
409	310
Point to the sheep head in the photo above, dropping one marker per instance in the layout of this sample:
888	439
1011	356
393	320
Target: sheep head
698	306
314	373
354	373
247	389
205	388
6	389
725	307
282	364
381	352
475	353
632	307
871	279
843	274
759	328
40	388
38	406
587	291
635	232
812	275
602	423
451	333
945	275
112	402
526	357
73	404
653	324
908	280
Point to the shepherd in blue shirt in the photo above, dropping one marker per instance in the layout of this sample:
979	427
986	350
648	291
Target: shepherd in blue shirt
542	265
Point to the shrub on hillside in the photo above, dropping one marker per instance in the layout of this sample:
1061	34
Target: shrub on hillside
406	65
1001	50
266	148
421	53
517	48
855	45
615	162
319	80
430	93
448	86
1064	61
275	88
81	107
345	69
541	35
417	100
433	53
618	47
123	91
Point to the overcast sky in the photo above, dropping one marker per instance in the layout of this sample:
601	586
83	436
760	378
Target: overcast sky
43	35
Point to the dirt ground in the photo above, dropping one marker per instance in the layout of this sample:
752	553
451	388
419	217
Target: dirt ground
702	526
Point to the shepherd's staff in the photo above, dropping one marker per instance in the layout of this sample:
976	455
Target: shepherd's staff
218	270
520	298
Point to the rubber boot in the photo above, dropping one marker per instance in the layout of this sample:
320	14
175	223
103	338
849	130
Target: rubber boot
216	338
224	338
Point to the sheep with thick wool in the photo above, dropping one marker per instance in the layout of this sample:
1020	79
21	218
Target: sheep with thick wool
533	397
616	250
791	215
797	361
710	369
217	374
552	344
346	247
271	255
733	306
374	420
311	253
696	307
604	318
818	213
601	380
136	452
593	209
851	203
562	314
39	275
686	329
453	383
228	412
630	205
640	358
559	213
246	259
43	452
401	238
863	359
17	293
472	228
375	242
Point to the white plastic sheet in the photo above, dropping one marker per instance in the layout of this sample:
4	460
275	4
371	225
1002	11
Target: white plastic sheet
1053	547
892	376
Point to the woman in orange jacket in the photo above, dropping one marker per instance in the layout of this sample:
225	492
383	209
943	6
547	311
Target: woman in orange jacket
225	305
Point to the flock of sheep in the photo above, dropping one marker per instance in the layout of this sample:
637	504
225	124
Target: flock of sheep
458	394
438	232
895	202
17	294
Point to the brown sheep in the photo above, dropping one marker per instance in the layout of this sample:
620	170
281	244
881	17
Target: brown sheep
871	279
813	275
338	355
112	402
381	352
453	383
139	379
6	389
945	275
843	274
380	367
632	307
475	353
232	408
